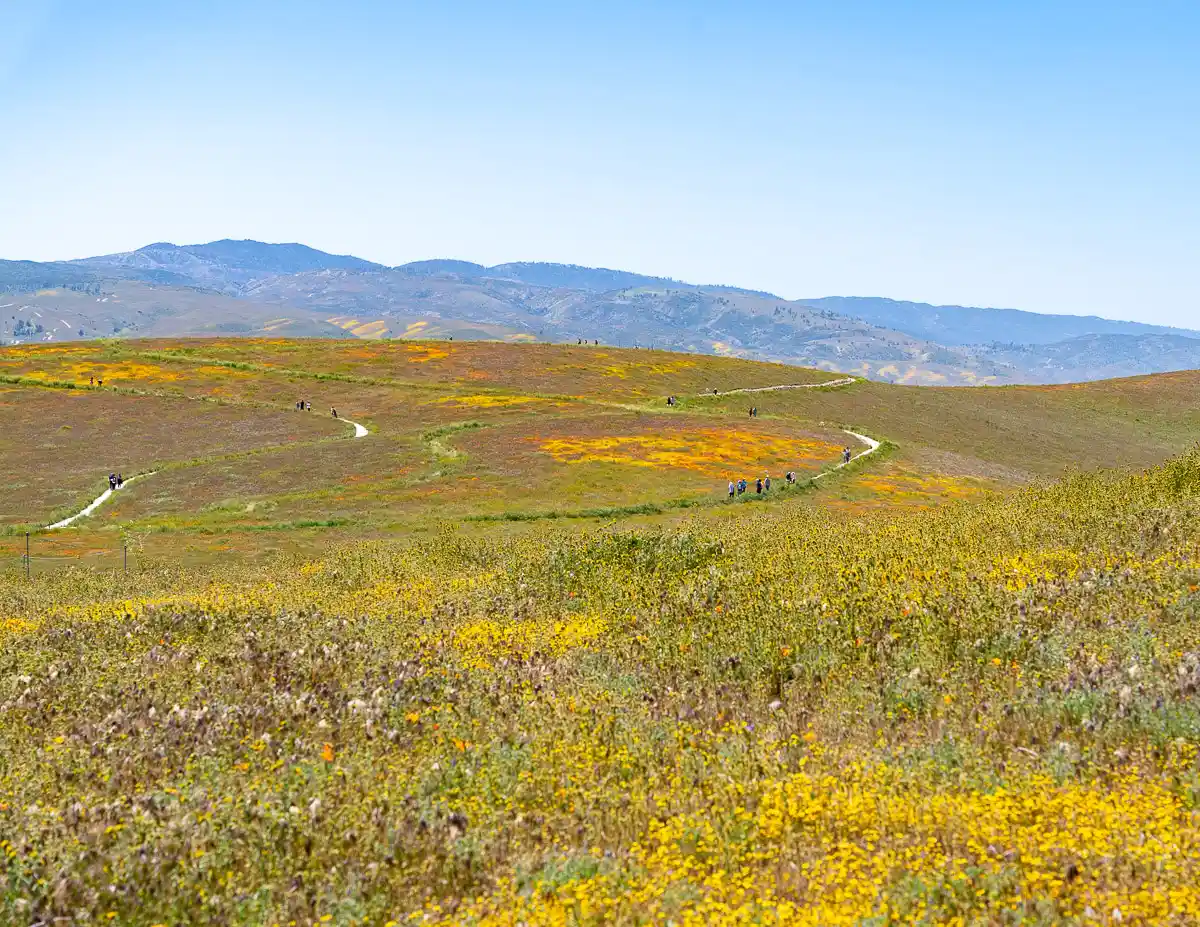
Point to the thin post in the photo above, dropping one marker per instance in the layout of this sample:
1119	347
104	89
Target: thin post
27	555
125	547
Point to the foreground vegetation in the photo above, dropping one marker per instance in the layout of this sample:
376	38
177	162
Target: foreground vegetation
981	714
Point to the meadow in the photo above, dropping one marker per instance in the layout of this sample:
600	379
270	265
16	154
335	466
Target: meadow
980	713
470	430
368	681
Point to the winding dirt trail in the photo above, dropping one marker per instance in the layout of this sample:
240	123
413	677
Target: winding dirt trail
872	447
841	381
359	432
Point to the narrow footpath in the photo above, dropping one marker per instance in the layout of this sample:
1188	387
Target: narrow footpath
359	432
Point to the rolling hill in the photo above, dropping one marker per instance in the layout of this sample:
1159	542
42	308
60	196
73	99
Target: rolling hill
514	656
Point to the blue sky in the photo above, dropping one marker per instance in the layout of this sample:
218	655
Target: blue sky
1035	155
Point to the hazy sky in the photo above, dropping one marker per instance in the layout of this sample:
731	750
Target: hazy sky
1039	155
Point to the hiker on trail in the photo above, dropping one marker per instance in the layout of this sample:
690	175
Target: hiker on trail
112	481
845	455
741	486
715	393
767	484
99	382
120	481
758	485
732	489
92	380
791	476
333	412
307	406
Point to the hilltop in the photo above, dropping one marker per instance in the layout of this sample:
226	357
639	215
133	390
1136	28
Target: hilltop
253	288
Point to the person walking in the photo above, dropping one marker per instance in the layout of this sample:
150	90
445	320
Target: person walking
758	485
731	489
767	484
845	455
112	481
333	412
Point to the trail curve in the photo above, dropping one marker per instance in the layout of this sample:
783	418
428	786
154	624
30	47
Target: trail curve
872	447
97	502
359	432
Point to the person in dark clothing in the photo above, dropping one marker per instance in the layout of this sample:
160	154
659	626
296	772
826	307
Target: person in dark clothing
767	484
120	481
845	455
333	412
112	481
758	486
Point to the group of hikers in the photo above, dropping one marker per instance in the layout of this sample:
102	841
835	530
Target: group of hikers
303	405
115	481
763	483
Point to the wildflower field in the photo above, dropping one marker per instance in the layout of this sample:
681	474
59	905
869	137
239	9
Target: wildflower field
413	678
985	713
473	430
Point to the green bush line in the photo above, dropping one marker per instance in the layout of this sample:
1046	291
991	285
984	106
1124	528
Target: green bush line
453	427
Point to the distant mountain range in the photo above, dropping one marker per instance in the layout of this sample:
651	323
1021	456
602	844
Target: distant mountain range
252	288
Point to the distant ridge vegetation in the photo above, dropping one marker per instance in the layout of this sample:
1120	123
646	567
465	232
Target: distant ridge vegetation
256	288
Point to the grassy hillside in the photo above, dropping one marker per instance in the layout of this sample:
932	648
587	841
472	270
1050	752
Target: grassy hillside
985	713
502	433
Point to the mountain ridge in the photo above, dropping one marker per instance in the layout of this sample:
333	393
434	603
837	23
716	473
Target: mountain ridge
268	287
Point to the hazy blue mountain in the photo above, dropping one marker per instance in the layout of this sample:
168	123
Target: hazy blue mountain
575	277
277	259
30	276
250	287
1099	356
963	325
25	276
443	266
224	266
